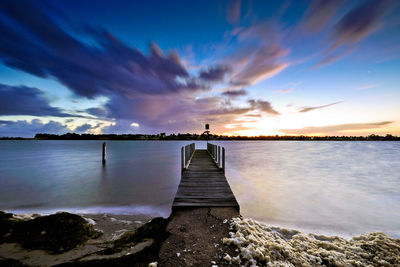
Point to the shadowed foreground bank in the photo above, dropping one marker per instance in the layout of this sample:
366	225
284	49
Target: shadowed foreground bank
189	237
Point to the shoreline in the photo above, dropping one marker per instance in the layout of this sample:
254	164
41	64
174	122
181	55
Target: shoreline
202	236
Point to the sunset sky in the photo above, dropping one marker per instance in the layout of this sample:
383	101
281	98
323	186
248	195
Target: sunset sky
245	67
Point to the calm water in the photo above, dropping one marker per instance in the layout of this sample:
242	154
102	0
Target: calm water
335	187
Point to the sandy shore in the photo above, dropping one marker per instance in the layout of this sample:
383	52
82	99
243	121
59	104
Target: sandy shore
190	237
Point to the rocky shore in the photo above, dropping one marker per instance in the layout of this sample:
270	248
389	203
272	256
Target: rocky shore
189	237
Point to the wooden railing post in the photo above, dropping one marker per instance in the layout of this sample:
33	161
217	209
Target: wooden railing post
182	160
213	152
219	156
187	153
104	153
223	159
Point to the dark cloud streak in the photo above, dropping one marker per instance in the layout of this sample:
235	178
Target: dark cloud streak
23	100
150	88
33	42
235	93
214	74
353	27
83	128
307	109
23	128
359	22
263	106
319	14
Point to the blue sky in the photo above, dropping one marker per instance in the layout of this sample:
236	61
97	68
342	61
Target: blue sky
245	67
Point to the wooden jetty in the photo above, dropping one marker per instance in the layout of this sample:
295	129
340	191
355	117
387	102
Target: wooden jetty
203	182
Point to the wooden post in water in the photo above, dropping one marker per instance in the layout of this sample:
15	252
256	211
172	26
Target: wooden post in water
104	153
223	159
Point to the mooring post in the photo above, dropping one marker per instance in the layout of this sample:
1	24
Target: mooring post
223	159
182	160
104	153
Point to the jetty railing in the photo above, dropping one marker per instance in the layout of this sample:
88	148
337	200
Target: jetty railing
186	155
215	152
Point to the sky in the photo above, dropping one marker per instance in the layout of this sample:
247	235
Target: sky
245	67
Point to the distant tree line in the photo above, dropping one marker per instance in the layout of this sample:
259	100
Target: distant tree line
188	136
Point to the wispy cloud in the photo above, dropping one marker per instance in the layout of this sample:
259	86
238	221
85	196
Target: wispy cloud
367	87
307	109
253	105
294	84
353	27
331	58
233	11
285	91
319	14
258	55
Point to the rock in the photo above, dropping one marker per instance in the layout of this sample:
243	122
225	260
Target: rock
11	263
54	233
6	225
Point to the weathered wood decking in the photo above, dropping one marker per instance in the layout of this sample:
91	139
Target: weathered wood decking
203	184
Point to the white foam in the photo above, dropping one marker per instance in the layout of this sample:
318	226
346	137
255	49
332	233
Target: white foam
259	244
89	221
153	211
117	234
25	217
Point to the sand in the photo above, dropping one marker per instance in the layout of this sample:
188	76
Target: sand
196	237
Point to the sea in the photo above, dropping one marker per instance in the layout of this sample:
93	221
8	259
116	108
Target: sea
333	188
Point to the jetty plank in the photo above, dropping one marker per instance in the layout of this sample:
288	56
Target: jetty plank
203	184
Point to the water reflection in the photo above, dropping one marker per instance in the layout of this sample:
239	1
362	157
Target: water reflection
351	187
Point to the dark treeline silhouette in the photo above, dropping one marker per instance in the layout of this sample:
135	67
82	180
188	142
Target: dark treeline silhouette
188	136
